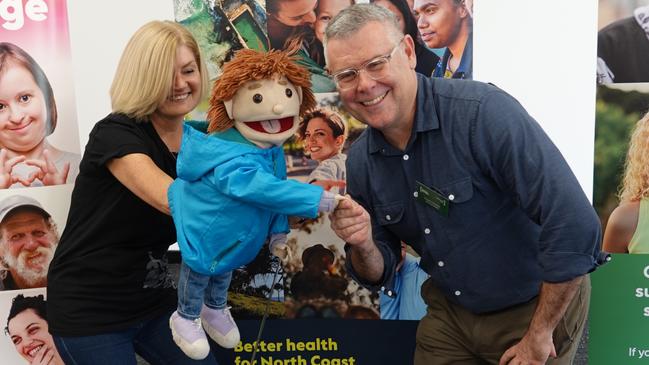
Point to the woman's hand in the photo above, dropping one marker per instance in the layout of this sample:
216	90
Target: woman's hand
329	184
47	171
6	168
44	356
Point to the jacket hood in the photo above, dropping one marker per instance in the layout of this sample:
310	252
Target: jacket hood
200	153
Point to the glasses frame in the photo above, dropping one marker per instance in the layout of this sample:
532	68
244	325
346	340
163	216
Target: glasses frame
363	67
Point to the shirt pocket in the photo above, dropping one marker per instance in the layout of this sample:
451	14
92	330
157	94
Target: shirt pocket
463	215
390	214
458	191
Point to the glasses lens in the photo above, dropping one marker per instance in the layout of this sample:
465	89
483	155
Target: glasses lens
345	79
377	68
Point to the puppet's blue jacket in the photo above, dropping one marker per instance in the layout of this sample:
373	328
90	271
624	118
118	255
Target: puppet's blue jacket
229	197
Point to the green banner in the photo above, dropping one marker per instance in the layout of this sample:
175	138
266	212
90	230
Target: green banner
619	312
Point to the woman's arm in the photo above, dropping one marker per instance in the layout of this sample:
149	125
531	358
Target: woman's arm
620	227
141	176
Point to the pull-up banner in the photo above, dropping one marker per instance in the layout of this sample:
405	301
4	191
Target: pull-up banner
619	312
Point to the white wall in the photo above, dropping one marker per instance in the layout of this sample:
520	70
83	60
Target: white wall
542	52
99	31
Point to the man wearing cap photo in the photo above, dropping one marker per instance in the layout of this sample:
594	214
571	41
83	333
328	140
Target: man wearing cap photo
28	238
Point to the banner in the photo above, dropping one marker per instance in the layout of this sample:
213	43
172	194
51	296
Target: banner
39	161
318	342
619	311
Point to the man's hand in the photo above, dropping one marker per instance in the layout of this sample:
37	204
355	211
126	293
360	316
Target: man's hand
536	345
351	222
531	350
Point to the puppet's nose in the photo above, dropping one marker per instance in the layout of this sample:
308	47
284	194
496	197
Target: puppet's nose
278	108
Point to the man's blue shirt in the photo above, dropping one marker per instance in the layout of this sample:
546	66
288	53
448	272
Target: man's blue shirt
407	303
465	69
517	214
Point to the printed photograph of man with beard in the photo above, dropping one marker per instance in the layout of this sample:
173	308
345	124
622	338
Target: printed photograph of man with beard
28	238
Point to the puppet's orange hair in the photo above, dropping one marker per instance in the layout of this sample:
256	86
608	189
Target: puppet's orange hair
248	65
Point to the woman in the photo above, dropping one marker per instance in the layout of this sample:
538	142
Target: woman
426	59
323	133
627	229
109	291
27	116
28	329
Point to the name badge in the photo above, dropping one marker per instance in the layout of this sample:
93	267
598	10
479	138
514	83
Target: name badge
432	197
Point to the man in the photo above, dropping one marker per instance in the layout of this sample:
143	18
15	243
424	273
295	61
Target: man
462	173
623	49
290	27
287	18
447	23
28	238
405	302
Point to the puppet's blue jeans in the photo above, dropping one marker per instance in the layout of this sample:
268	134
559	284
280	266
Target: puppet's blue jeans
196	289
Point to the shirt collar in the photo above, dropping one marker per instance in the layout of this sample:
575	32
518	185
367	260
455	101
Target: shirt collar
425	116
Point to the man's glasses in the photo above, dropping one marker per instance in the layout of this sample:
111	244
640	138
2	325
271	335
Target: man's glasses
376	68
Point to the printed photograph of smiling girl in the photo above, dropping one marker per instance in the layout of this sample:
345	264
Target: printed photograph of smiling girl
39	135
28	115
316	284
325	132
24	325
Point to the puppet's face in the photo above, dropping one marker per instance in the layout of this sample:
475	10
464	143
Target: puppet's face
266	112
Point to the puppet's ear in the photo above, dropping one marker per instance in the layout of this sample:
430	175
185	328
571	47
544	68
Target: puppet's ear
228	108
299	93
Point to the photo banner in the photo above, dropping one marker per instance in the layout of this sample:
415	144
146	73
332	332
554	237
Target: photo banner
41	28
39	128
619	311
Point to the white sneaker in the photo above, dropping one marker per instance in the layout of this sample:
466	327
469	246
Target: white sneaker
220	325
189	336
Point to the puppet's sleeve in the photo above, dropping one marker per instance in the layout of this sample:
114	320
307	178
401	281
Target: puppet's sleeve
245	179
279	224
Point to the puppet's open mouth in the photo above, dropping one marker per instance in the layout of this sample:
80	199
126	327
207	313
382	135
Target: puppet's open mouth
272	126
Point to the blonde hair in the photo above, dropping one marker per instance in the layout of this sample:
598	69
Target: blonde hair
145	74
248	65
635	184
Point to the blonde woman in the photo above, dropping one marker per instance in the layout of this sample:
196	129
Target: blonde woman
109	292
627	230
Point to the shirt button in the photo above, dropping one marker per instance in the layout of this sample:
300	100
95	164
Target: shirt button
389	293
415	194
406	157
457	293
451	197
427	230
440	263
382	288
388	217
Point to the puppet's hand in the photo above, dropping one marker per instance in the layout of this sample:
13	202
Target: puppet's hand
329	201
278	247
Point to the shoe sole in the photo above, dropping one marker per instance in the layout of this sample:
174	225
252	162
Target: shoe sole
183	345
223	341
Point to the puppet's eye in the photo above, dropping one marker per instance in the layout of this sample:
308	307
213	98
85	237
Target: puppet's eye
257	98
289	93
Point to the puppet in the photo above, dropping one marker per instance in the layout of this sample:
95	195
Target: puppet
231	194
